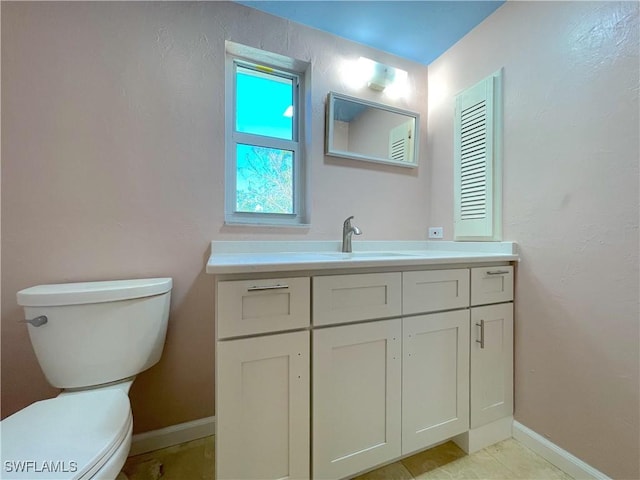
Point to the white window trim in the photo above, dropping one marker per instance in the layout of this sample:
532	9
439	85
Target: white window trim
242	55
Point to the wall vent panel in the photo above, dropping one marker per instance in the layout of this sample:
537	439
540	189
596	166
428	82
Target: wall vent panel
477	149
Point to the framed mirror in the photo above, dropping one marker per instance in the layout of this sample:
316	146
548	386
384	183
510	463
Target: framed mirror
362	130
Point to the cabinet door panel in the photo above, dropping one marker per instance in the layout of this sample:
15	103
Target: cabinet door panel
350	298
491	366
263	407
356	397
491	285
435	378
249	307
433	290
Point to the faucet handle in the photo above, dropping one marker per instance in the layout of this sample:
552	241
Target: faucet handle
347	222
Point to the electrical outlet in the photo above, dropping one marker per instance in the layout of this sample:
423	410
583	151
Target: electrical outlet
435	232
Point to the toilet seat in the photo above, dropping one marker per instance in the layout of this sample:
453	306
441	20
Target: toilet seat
68	437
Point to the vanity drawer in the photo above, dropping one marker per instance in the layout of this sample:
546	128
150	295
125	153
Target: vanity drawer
434	290
248	307
350	298
491	285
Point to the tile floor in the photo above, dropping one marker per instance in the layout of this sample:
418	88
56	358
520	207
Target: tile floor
505	460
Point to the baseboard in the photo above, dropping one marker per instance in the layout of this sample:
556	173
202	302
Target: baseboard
472	441
555	455
173	435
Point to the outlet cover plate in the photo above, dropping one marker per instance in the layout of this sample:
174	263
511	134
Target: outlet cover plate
435	232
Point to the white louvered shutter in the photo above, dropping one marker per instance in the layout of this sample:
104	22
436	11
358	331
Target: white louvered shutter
477	172
401	142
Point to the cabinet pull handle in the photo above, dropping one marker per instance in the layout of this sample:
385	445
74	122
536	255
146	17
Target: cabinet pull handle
256	288
481	341
498	272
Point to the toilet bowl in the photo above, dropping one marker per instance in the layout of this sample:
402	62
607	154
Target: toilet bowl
74	436
96	338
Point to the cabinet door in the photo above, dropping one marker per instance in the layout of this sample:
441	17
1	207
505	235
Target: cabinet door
435	378
356	397
491	363
262	407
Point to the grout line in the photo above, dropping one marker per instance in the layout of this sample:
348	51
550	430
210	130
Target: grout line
536	456
495	457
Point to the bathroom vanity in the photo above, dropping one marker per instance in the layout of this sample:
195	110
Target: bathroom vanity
332	364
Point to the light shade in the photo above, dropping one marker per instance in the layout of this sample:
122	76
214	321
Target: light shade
377	76
381	75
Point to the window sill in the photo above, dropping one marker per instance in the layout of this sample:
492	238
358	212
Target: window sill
243	223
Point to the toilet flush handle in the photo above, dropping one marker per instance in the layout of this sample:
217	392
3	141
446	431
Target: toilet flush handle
36	322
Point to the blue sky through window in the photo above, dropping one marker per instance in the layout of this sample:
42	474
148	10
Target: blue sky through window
261	102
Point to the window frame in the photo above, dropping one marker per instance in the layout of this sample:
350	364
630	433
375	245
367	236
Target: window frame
234	137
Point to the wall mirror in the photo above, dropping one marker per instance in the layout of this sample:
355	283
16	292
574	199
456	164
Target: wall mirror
362	130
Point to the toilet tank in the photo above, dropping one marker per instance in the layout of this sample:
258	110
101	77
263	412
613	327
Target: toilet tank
97	332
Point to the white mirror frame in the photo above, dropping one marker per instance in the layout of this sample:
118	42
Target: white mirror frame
332	149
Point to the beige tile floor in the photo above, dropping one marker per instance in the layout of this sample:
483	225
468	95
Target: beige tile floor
505	460
189	461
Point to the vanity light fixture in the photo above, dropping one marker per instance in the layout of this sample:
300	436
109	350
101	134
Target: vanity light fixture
377	76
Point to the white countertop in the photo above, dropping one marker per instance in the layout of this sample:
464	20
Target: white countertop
277	256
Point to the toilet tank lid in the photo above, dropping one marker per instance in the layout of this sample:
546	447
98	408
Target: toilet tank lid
92	292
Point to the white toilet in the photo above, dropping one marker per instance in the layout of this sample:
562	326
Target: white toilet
91	339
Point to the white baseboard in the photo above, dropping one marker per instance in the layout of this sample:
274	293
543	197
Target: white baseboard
173	435
555	455
469	441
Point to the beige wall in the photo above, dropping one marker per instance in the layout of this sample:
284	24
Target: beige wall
370	132
571	154
112	167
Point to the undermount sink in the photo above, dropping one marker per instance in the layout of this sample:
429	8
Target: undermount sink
365	255
320	257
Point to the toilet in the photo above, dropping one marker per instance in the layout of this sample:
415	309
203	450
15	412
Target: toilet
91	339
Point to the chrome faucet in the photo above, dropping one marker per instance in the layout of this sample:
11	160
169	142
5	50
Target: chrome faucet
347	231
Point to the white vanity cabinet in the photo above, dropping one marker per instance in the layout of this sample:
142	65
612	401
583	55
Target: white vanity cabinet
329	374
491	344
355	297
251	307
263	407
491	363
263	382
387	388
435	378
433	290
357	372
435	398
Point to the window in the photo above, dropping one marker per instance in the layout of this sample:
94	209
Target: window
265	168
